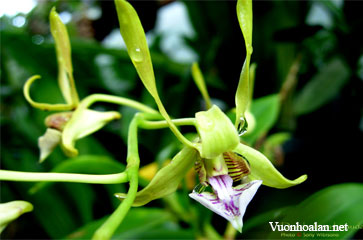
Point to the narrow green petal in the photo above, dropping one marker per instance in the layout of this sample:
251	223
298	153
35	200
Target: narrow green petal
12	210
166	180
84	122
63	50
216	131
244	14
262	169
134	36
253	67
48	142
199	81
43	106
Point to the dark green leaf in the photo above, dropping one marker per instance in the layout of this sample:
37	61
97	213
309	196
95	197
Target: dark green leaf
87	164
335	205
323	87
265	110
156	224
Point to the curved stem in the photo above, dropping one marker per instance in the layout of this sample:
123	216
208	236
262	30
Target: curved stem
86	102
146	124
133	161
18	176
230	233
109	227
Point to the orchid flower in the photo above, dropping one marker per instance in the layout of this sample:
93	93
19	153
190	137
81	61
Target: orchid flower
77	120
219	156
217	153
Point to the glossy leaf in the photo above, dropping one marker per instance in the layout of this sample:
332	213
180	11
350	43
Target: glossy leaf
158	224
86	164
323	87
335	205
260	220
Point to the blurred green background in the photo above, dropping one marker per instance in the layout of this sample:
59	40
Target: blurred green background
307	104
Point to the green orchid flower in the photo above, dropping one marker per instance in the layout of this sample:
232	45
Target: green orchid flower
77	120
217	152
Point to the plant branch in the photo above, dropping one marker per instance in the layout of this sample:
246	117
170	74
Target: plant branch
18	176
133	161
118	100
146	124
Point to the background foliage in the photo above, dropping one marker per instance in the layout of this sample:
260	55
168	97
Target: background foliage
308	110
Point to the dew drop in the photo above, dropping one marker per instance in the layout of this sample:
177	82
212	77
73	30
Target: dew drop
249	48
136	55
242	126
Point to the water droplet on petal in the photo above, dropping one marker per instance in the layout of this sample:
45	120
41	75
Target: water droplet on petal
249	48
136	55
242	126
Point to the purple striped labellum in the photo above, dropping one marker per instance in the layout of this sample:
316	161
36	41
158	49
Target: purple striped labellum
227	201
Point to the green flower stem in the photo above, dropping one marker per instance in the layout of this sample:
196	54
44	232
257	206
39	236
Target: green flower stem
230	233
164	124
18	176
133	161
210	232
176	208
86	102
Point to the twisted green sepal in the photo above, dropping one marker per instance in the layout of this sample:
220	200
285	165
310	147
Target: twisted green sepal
199	81
244	14
262	169
65	70
134	36
166	181
217	133
11	211
43	106
63	50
